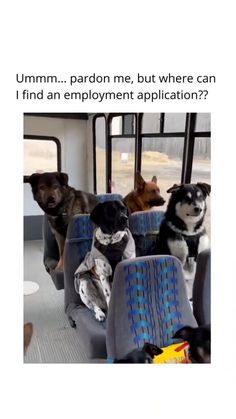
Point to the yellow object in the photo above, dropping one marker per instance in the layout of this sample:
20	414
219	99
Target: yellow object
172	354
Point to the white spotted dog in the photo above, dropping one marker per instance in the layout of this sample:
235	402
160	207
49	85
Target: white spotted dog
182	233
112	242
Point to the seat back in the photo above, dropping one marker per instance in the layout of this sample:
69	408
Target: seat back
109	197
51	255
148	304
78	244
144	226
202	289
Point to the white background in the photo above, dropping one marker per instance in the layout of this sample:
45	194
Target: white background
149	37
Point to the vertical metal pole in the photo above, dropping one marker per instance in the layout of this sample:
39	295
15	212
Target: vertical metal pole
108	153
94	156
188	148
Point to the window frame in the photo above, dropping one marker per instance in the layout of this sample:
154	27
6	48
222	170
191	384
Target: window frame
189	135
45	138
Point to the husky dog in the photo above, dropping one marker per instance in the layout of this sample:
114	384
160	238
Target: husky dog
182	233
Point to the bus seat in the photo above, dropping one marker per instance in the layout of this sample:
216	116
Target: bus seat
78	243
202	289
144	226
109	197
51	255
148	304
90	331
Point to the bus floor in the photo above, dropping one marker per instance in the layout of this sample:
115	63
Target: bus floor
53	341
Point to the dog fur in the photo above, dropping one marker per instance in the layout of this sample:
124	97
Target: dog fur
182	233
112	242
145	196
199	339
60	202
141	356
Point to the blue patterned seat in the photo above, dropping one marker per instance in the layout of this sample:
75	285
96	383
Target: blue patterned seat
78	243
109	197
202	289
144	226
51	255
148	304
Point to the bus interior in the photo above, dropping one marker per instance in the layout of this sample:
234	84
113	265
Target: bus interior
101	153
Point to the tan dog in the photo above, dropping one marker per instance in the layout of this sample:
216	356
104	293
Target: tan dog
145	196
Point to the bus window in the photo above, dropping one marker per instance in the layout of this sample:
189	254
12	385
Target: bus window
122	165
151	122
129	124
174	122
203	122
116	125
40	156
201	169
100	136
162	157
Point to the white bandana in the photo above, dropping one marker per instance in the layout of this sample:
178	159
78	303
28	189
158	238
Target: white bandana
109	238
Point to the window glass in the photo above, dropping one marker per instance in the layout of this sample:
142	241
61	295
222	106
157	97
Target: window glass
201	170
162	157
122	165
174	122
129	124
116	125
203	122
100	135
39	156
151	123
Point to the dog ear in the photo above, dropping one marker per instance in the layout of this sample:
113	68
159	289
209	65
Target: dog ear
95	214
63	178
154	179
28	331
184	333
205	187
151	349
173	188
139	181
33	179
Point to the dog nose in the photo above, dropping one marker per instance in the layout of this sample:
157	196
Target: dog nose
51	200
197	210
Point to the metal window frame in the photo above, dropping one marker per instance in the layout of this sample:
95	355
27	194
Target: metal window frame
45	138
110	138
97	116
189	136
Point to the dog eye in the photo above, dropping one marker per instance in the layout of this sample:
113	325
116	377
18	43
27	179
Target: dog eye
55	186
42	188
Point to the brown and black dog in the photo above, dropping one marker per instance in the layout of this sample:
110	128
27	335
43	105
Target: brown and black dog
60	202
145	196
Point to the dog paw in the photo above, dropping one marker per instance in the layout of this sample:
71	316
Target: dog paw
99	315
